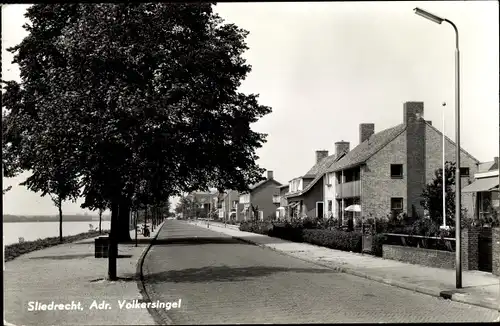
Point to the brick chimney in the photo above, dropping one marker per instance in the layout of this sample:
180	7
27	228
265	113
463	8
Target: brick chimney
321	154
413	114
270	175
365	131
341	146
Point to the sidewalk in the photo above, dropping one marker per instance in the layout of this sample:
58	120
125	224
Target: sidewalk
69	272
479	288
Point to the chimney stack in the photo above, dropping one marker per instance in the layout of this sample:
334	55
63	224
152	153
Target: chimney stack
413	115
320	155
366	130
270	175
341	146
413	112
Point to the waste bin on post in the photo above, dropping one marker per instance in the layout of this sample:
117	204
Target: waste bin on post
101	247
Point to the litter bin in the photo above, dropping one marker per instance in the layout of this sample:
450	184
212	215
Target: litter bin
101	247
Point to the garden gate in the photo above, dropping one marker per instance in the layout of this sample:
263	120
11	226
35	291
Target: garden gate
485	259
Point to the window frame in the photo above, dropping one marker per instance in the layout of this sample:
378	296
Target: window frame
402	203
463	174
394	176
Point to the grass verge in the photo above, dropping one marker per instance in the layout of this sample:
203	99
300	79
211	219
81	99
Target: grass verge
17	249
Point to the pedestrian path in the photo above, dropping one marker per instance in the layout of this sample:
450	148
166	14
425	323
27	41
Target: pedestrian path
69	273
479	288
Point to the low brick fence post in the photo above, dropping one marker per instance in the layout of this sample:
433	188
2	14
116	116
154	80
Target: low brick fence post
470	249
495	250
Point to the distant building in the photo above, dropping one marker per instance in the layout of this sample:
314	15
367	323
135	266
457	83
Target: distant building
260	195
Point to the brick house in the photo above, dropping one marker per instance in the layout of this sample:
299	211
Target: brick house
228	208
259	195
387	172
305	194
208	201
484	189
280	201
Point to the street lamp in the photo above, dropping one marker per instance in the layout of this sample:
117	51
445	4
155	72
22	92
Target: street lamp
444	226
458	191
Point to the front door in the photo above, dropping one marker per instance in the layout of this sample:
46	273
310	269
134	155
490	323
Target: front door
319	209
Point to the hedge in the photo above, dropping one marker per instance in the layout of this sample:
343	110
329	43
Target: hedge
334	239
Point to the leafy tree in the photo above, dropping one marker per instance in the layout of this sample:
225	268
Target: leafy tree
433	196
135	93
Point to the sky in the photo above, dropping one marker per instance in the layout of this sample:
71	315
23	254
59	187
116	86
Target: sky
326	67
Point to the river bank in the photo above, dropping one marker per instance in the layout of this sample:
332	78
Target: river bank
15	250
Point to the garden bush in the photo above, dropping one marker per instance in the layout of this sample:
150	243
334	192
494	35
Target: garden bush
335	239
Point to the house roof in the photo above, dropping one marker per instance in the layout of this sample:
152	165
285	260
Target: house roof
283	186
375	143
368	148
321	169
487	166
258	184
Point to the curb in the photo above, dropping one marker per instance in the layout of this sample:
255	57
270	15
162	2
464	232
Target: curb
446	294
160	319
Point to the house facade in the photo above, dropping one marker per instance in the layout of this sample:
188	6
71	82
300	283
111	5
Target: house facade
485	190
280	201
228	209
260	195
207	200
306	193
387	172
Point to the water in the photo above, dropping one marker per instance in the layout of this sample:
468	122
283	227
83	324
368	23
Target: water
30	231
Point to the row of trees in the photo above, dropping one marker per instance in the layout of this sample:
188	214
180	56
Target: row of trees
125	105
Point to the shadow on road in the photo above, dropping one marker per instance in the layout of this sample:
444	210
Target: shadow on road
224	274
194	241
79	256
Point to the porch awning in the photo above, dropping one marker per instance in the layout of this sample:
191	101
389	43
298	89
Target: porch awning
483	184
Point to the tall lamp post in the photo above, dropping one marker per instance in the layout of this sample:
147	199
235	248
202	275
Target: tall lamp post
458	192
444	226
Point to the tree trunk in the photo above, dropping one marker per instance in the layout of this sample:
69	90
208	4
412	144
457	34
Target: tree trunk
123	231
113	243
145	218
100	220
60	220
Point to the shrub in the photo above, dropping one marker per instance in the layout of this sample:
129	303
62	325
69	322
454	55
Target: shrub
287	231
335	239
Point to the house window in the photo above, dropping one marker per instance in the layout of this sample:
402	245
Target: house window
464	172
396	205
330	206
396	171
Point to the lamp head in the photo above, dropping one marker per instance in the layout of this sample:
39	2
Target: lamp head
428	15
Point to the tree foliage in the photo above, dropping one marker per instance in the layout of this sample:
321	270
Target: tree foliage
130	92
433	196
128	104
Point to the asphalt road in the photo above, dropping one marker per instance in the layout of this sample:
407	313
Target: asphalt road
221	280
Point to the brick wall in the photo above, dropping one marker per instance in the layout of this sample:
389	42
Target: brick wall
420	256
377	185
495	250
470	247
441	258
